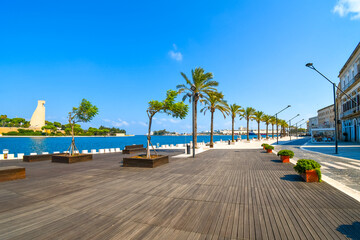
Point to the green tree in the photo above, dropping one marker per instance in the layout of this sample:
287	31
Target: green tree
57	124
85	112
258	115
203	85
3	119
248	115
214	101
233	110
266	119
167	106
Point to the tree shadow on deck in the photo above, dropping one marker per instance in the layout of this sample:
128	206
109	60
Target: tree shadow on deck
292	178
350	231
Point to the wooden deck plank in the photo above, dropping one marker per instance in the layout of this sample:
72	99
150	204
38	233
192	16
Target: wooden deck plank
221	194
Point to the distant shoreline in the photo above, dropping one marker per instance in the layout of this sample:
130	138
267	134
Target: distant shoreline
60	136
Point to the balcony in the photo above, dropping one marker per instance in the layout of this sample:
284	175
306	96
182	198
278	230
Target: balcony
354	79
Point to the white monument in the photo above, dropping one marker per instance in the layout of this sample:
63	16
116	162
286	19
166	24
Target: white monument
38	117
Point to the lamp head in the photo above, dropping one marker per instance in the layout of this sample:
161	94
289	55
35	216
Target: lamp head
193	88
298	115
309	65
289	106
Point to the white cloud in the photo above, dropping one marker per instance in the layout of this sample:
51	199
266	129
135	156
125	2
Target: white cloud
118	123
142	124
176	55
345	7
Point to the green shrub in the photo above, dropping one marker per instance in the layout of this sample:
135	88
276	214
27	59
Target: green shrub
308	164
267	147
264	144
286	153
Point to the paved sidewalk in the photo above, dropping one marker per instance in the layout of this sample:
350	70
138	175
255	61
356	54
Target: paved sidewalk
344	170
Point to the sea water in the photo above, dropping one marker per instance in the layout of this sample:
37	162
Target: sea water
38	145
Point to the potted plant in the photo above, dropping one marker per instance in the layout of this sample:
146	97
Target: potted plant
84	113
264	145
168	106
269	148
309	170
285	155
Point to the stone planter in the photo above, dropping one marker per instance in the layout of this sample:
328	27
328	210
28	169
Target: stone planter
143	162
285	159
310	176
66	158
37	158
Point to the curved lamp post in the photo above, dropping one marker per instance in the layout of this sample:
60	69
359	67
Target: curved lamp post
277	127
192	95
290	125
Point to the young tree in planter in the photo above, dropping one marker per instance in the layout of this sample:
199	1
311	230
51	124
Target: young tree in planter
266	119
84	113
168	106
214	101
248	114
203	85
258	115
234	110
272	122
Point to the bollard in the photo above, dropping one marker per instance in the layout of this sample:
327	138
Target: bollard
229	142
187	148
5	152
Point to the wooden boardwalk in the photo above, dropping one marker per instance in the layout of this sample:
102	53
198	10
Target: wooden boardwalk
222	194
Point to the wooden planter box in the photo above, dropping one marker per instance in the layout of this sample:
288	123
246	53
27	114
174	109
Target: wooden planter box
66	158
310	176
145	162
37	158
269	150
285	159
11	173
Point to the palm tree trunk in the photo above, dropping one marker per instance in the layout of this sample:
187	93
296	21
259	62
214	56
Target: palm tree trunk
267	127
247	129
212	130
259	136
195	120
149	137
232	129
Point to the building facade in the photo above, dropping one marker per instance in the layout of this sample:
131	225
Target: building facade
326	117
349	103
313	123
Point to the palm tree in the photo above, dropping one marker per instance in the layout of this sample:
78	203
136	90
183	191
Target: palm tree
283	125
214	101
272	122
248	114
233	110
258	115
266	119
202	85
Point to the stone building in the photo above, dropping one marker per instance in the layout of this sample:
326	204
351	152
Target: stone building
326	117
349	105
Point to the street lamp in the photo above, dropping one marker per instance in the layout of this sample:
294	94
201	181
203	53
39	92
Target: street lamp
311	66
193	94
277	127
297	128
290	125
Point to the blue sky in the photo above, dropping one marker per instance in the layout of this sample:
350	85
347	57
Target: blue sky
121	54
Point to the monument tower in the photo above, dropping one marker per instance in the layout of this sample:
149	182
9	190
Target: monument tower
38	117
